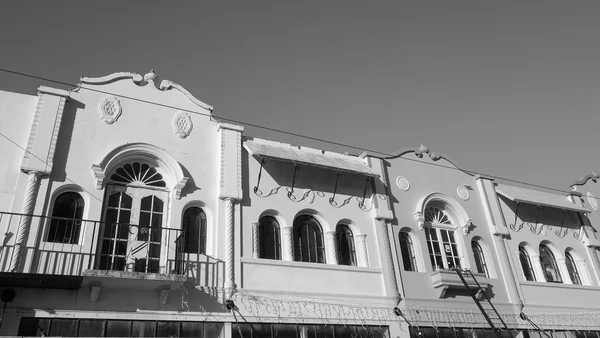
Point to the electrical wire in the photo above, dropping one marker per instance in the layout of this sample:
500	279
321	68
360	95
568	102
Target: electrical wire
471	172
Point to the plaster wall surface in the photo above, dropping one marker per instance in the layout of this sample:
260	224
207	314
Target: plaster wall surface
16	114
313	188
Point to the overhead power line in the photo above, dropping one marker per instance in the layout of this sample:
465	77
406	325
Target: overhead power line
473	172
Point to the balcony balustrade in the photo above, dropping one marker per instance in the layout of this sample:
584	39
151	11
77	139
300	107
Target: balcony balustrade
72	247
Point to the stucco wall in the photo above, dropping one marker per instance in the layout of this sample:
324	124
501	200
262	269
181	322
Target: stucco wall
312	190
16	114
426	176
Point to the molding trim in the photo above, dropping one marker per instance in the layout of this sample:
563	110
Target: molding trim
583	180
176	182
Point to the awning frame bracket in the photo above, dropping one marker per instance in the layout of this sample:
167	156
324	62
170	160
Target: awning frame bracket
578	234
534	228
560	232
332	198
361	204
290	193
514	226
262	163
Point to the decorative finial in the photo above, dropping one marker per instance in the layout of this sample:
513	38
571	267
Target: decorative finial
150	76
422	150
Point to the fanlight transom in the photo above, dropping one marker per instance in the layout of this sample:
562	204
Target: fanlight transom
138	174
438	215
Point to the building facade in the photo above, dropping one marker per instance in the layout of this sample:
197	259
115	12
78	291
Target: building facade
128	209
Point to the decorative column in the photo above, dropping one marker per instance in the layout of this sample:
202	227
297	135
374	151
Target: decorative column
287	244
361	250
332	257
229	245
20	249
255	240
387	261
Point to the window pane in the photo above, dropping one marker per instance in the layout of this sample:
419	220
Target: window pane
167	329
407	251
285	331
63	327
345	245
269	238
215	330
118	328
194	228
526	264
572	268
34	327
91	328
549	265
143	328
193	329
242	331
308	240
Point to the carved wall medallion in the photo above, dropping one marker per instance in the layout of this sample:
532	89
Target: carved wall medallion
463	192
110	109
182	124
592	200
402	183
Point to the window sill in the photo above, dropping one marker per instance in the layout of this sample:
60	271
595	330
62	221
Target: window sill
318	266
560	285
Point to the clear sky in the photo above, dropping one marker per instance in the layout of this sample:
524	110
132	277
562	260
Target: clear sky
508	88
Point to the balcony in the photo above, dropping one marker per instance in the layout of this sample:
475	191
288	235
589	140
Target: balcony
67	253
445	280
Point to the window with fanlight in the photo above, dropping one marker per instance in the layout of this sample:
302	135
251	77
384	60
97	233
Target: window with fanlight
549	266
526	265
345	245
479	256
441	238
408	251
194	230
572	268
308	240
67	214
268	234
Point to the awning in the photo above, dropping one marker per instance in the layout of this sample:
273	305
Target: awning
538	198
289	153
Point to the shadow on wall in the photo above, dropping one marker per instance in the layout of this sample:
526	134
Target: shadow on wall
190	186
64	140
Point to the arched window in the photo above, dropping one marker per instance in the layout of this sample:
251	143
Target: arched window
572	268
308	240
441	241
526	264
479	258
194	230
67	214
408	252
549	265
345	245
268	234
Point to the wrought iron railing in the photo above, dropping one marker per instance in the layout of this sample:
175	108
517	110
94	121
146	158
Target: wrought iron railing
65	246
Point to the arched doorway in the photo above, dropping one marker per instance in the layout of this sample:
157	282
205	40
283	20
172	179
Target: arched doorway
134	215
